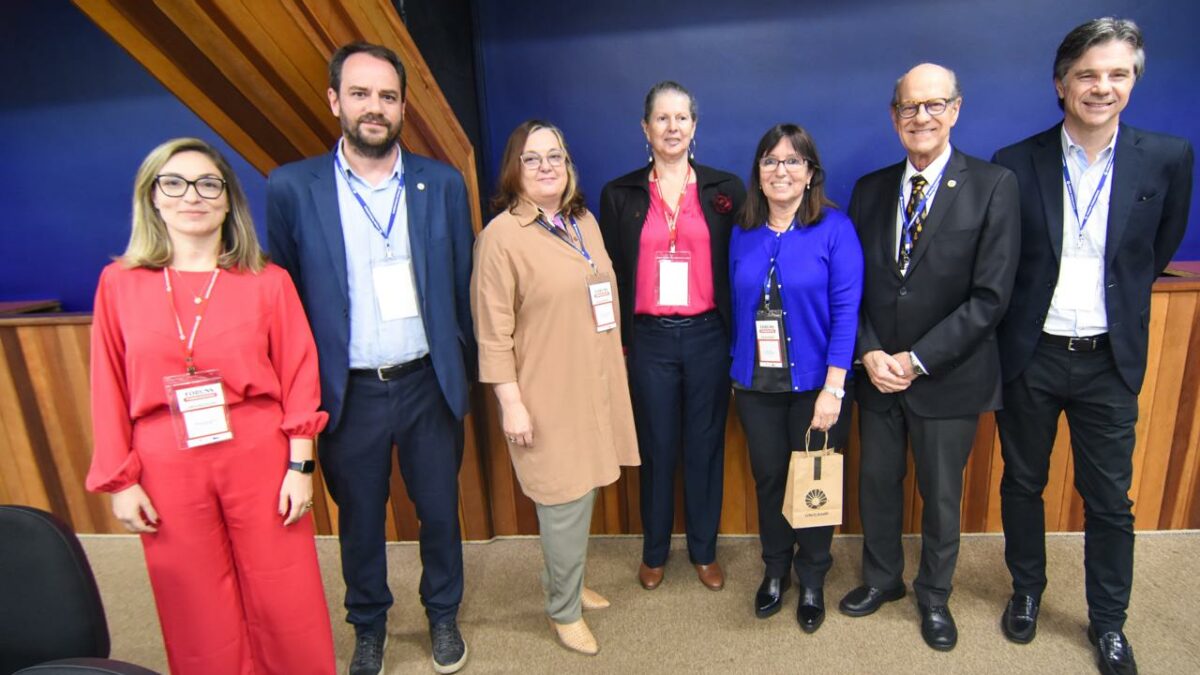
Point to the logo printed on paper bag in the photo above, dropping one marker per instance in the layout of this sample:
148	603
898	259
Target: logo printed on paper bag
815	499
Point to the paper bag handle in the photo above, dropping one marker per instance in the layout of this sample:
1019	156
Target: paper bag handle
807	436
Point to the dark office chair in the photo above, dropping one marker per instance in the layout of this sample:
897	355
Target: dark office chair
51	618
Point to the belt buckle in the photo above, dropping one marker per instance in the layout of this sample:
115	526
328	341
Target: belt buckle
1090	342
379	372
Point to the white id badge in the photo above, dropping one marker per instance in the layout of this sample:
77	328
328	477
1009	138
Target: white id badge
672	287
604	309
1081	290
198	409
395	291
768	334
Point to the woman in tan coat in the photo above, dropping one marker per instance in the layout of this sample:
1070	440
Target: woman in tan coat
544	302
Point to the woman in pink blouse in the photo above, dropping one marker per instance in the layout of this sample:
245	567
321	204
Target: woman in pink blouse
666	227
204	407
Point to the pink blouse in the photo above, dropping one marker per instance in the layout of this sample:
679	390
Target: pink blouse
254	331
691	236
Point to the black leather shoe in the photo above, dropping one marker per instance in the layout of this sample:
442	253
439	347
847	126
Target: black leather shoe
810	612
937	627
865	600
1114	655
769	597
1019	621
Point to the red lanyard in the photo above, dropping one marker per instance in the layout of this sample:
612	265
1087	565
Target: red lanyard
188	343
672	215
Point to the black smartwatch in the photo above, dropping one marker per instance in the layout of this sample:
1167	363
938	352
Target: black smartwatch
307	466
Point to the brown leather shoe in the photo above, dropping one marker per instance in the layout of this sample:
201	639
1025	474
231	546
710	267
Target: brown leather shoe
650	577
711	575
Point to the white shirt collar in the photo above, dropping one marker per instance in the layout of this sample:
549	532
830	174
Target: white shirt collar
930	172
397	168
1075	151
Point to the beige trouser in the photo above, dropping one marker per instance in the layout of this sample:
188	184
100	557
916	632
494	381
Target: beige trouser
564	535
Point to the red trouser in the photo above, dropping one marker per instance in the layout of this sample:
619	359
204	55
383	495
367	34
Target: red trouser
237	592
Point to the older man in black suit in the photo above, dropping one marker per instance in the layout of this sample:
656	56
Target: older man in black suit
1103	208
940	237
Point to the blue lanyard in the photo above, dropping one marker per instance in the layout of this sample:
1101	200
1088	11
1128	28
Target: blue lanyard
386	234
906	231
558	234
774	264
1095	195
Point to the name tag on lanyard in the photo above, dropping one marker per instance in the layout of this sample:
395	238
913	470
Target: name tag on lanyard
198	409
395	290
671	289
600	294
768	333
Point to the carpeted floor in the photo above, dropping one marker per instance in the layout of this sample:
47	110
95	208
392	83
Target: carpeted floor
684	628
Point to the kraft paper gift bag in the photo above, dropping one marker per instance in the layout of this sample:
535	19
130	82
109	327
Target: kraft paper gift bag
813	497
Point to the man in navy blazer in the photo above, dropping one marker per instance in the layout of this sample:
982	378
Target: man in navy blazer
1104	206
378	242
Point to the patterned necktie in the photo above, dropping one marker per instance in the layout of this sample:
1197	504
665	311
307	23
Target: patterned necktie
914	229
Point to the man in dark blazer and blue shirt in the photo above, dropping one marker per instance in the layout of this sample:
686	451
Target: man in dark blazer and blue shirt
379	242
1103	208
940	237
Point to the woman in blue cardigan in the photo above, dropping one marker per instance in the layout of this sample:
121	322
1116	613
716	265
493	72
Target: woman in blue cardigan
795	270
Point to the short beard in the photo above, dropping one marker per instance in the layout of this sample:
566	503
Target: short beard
366	148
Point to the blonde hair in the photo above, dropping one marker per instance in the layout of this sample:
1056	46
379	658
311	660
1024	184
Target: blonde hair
150	245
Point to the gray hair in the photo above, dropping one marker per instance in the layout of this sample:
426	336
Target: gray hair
1098	31
664	87
955	92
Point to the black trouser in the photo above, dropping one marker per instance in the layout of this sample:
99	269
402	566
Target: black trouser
1101	415
410	414
774	425
679	382
940	448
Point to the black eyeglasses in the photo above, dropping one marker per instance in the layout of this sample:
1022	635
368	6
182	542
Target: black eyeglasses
933	106
769	164
208	187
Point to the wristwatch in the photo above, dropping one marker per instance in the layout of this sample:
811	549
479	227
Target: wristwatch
916	365
837	393
306	466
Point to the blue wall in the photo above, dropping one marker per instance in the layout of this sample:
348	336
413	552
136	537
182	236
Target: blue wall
77	118
828	66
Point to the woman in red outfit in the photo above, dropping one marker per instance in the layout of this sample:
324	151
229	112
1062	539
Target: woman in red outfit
204	407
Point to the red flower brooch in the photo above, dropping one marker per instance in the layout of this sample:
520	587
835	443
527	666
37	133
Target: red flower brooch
722	204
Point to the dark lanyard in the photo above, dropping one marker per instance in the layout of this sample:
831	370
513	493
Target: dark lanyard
561	236
188	343
386	234
906	231
1095	195
774	263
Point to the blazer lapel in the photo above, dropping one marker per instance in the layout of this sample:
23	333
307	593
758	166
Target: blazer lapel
943	200
884	212
416	198
329	220
1047	163
1127	166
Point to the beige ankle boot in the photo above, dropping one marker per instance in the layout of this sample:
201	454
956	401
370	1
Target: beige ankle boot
576	636
593	600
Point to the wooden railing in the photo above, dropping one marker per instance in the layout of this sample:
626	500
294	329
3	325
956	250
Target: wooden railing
45	445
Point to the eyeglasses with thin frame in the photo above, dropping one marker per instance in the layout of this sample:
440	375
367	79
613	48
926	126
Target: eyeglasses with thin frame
208	187
533	161
792	164
934	106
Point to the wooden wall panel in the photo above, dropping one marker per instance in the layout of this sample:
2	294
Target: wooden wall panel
45	447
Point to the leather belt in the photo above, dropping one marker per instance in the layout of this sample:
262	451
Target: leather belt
1091	343
392	372
679	321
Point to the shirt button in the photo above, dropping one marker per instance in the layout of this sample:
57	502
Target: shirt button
789	339
792	365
